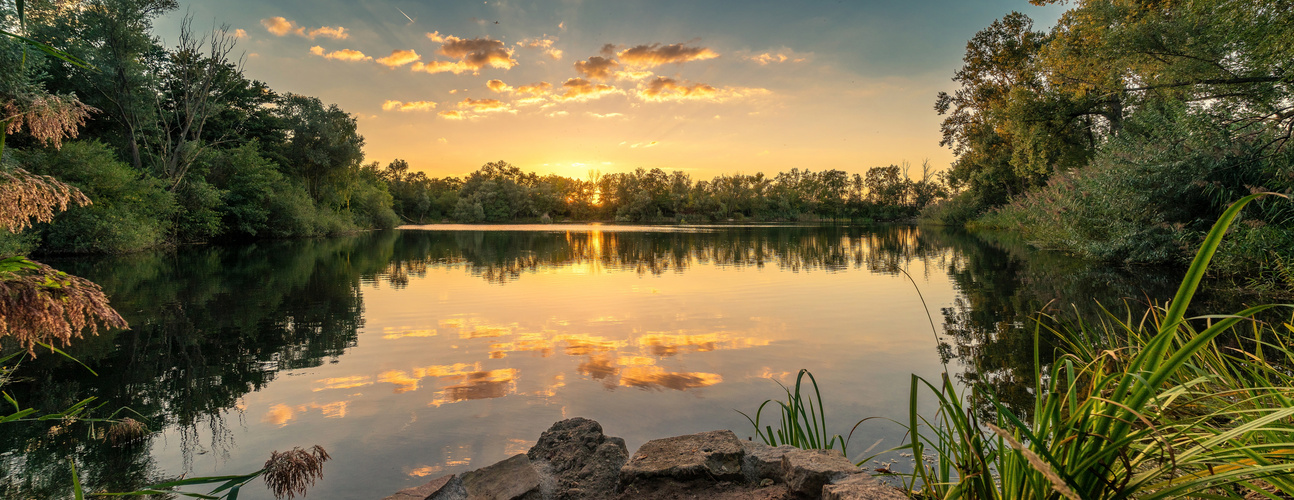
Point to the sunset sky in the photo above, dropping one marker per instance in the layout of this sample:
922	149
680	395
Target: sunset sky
569	86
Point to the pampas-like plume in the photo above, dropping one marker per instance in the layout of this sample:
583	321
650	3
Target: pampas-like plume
40	304
291	472
125	431
25	196
49	118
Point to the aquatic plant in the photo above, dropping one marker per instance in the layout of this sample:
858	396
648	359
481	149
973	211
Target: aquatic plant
1163	411
802	426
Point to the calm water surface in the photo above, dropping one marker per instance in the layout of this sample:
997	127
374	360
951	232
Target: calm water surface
433	350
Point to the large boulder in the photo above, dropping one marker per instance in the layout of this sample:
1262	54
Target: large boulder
578	460
511	479
442	488
714	455
860	487
806	471
763	461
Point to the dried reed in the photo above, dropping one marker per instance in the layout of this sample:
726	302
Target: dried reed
25	196
291	472
39	305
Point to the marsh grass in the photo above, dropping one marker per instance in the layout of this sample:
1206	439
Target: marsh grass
803	421
1149	408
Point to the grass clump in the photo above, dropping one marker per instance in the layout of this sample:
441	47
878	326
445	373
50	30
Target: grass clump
1165	410
802	425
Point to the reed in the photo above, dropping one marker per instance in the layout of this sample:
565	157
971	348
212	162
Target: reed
1163	411
803	419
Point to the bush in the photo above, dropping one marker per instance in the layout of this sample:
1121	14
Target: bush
1149	195
130	211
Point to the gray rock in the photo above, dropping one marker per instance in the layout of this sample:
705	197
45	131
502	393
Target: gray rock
806	471
442	488
510	479
578	460
762	462
712	455
861	487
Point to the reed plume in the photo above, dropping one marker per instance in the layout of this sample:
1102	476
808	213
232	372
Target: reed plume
290	473
25	196
40	305
49	118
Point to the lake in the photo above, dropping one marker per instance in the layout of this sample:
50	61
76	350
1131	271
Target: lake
431	350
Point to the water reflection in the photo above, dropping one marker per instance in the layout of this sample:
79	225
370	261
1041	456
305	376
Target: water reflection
215	327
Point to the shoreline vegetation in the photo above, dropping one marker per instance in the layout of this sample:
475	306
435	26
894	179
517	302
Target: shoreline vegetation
1125	134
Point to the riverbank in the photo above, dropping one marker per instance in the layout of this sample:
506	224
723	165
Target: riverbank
573	459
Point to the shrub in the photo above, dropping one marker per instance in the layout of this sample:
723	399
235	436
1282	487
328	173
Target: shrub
130	211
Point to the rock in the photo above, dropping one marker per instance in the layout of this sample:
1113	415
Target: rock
861	487
580	462
806	471
762	461
714	455
510	479
442	488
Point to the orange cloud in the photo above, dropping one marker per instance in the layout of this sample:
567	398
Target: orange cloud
240	33
608	115
280	26
668	89
545	44
596	67
472	54
583	90
341	55
485	106
338	33
650	56
498	86
535	89
410	106
780	56
452	115
399	58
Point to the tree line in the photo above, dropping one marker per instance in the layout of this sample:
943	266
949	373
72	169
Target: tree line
1124	131
499	192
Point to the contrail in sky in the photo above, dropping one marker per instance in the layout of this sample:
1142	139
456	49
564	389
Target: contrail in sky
406	16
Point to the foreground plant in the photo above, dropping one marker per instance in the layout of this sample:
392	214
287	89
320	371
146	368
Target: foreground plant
287	474
802	426
1171	413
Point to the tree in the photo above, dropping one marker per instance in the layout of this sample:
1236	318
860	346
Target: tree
999	64
322	143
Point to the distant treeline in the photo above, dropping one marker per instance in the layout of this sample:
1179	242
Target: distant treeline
500	192
1126	129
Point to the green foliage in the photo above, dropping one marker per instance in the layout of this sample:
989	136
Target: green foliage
1149	192
129	211
802	425
1154	409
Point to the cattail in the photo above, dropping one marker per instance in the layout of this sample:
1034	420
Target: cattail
25	196
126	430
49	118
40	305
291	472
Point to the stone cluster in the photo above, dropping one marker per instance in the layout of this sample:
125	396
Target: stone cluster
574	460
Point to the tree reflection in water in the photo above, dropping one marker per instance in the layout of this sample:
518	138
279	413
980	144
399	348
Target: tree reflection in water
212	324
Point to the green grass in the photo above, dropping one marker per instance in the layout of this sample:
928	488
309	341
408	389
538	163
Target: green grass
803	420
1163	411
1140	406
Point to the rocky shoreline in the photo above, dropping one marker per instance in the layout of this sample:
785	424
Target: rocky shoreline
574	460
